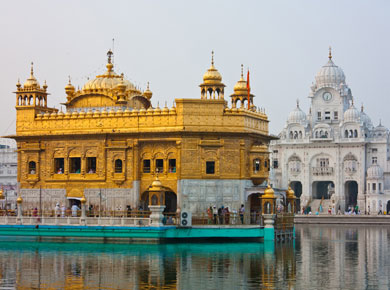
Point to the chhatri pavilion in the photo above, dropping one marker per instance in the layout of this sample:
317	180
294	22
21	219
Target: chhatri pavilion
111	144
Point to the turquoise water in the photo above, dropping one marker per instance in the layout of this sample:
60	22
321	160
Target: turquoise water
331	257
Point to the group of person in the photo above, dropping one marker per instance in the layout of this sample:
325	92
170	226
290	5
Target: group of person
223	215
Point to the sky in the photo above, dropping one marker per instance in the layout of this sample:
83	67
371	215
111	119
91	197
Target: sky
169	43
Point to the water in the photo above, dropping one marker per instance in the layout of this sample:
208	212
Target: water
330	257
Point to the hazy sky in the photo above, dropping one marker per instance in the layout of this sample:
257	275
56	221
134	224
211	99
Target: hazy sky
168	43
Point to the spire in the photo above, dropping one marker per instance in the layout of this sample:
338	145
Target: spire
212	58
242	71
109	54
32	70
362	108
298	103
352	102
330	53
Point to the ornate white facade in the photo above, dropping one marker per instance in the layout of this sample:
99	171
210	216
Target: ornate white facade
334	152
8	172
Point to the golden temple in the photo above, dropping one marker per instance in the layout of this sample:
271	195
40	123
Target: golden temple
111	142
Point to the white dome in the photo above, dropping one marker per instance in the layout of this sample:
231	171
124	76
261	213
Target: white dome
351	115
330	75
365	119
296	116
375	172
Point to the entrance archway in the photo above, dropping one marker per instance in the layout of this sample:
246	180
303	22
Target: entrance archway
351	193
170	201
297	187
254	207
322	189
388	207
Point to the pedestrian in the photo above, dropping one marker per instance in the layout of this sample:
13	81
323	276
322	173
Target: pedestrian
209	215
63	210
220	215
75	210
368	210
227	215
242	211
339	210
380	209
215	213
57	210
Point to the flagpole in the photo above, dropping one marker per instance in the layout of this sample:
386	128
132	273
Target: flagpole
249	91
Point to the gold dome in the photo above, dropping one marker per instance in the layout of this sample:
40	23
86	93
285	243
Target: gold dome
69	89
148	93
290	193
109	80
19	200
31	82
241	86
268	192
83	200
212	75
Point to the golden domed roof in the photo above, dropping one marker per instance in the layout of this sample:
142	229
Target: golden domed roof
212	75
148	93
31	82
241	86
109	80
290	193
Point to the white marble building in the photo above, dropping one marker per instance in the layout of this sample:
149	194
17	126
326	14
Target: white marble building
8	172
334	152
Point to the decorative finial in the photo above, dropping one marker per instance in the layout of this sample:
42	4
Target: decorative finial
32	69
158	104
330	53
69	80
352	102
165	104
109	54
297	103
380	122
362	108
147	87
242	71
212	58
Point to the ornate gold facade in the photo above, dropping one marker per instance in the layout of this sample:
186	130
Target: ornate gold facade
112	140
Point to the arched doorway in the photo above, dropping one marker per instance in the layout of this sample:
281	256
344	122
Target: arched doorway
254	207
388	207
297	187
170	201
322	189
351	193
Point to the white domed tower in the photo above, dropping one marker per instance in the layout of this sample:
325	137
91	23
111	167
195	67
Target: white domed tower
330	95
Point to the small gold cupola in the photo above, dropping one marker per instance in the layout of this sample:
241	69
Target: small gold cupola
241	92
212	86
69	89
31	93
148	93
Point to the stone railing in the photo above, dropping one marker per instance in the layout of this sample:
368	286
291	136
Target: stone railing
322	170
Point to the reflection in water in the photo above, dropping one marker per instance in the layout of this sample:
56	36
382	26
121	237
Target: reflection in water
48	265
342	257
331	257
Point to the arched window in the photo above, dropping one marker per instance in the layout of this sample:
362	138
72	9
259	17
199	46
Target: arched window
295	135
346	134
118	166
256	165
316	134
32	167
291	134
326	134
350	134
300	134
355	134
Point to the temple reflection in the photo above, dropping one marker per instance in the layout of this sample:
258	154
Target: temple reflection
51	265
